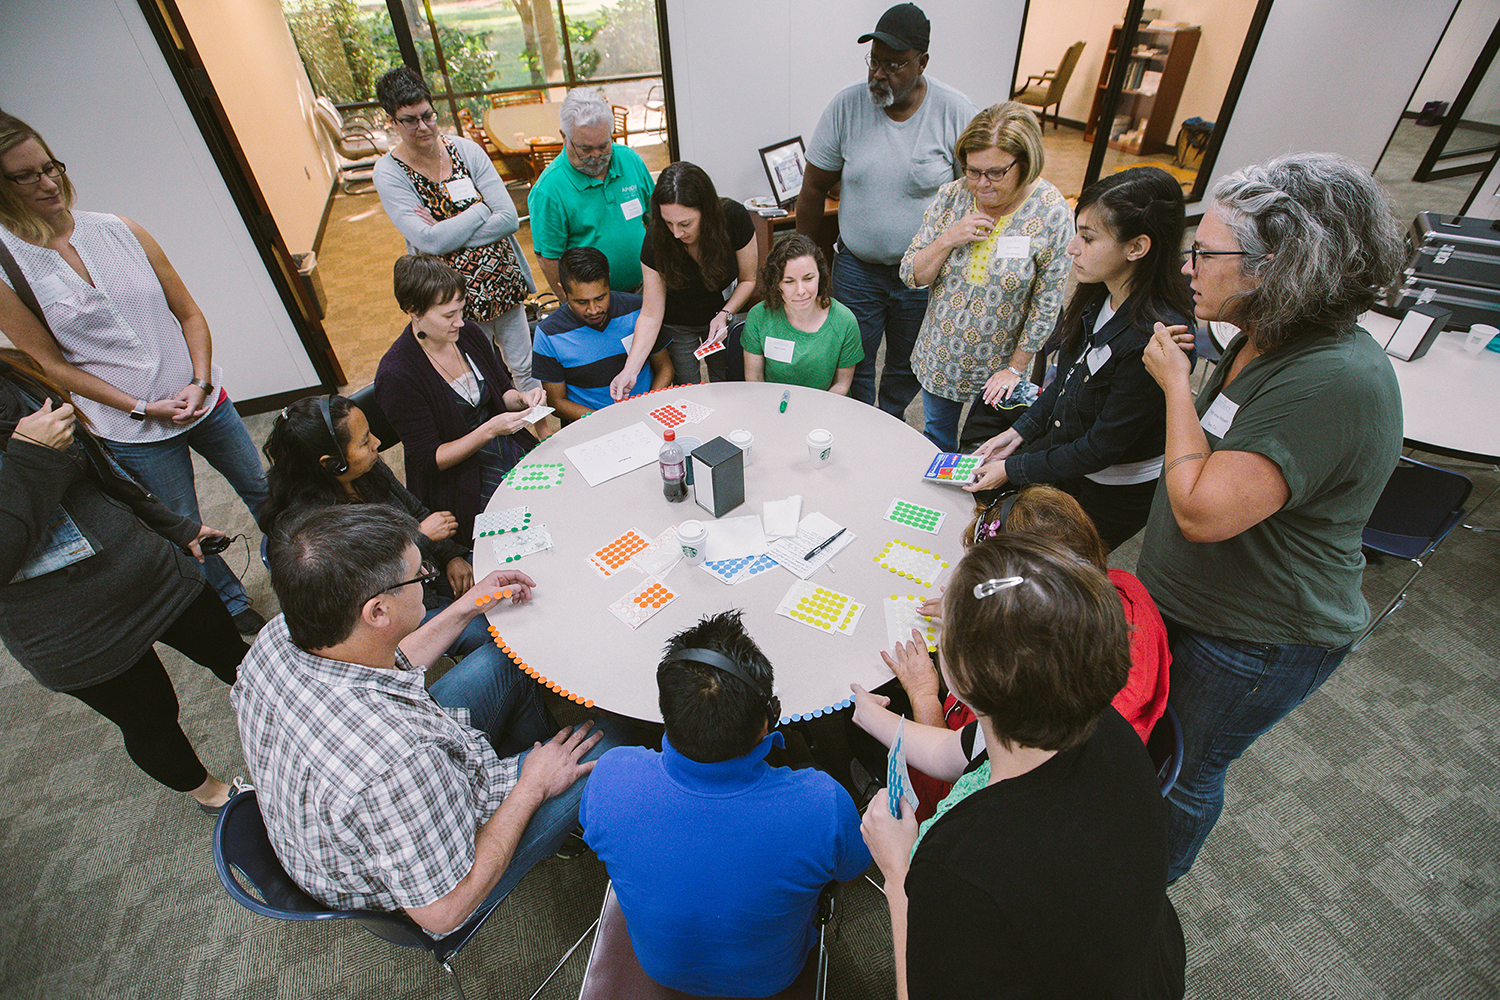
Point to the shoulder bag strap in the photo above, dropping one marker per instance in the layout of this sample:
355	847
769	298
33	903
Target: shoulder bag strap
22	286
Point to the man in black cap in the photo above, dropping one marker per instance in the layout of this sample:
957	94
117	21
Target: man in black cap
891	142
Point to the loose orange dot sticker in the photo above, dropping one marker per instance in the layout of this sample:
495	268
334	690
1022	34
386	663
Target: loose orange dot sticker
588	704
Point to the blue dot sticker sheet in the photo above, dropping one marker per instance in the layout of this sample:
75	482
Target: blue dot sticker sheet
733	571
914	515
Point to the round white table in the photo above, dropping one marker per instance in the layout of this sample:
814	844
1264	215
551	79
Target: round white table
567	637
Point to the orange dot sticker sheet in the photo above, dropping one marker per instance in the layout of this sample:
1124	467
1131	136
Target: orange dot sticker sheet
612	557
823	609
641	603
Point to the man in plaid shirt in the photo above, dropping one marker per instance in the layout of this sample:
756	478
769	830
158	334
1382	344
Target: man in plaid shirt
374	796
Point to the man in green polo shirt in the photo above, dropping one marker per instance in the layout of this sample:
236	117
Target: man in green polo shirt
597	195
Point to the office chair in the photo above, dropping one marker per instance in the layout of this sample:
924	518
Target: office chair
356	141
1419	506
379	426
613	973
242	851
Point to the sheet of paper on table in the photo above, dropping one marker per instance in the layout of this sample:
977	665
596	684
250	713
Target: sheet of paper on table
615	454
734	538
780	517
812	531
661	555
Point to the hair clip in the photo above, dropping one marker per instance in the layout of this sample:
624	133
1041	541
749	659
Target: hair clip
994	586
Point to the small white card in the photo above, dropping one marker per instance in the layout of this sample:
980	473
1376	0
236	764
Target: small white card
462	189
631	209
1013	247
627	340
1220	416
536	413
1097	357
51	289
780	350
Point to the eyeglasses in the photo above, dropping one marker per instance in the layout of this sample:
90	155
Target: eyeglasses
429	574
588	152
890	66
412	121
55	169
1196	252
993	176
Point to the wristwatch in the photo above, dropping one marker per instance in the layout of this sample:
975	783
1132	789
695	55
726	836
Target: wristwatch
139	413
205	386
1014	372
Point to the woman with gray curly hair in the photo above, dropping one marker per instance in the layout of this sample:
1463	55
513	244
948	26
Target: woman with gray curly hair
1252	550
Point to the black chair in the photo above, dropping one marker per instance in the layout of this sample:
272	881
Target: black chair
379	425
242	851
1420	505
734	354
1165	748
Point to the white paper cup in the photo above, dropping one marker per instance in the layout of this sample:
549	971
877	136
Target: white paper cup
819	447
688	444
1480	334
692	535
742	439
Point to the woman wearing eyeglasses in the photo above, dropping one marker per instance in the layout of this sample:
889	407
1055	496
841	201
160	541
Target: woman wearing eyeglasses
442	193
1252	549
105	314
992	249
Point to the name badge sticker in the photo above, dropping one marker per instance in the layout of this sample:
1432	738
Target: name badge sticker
462	189
1012	247
1097	357
780	350
631	209
51	289
1220	416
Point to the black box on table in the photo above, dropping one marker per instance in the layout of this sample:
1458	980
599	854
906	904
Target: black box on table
718	476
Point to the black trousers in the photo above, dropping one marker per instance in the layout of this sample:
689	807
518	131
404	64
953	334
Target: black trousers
143	704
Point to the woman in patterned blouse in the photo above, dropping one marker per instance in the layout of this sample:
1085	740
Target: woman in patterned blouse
991	248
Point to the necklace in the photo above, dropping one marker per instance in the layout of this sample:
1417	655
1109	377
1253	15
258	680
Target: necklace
446	372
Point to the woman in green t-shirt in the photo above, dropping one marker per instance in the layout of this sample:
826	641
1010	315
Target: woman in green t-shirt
799	335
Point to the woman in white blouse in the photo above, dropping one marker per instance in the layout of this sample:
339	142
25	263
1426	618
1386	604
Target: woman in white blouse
124	336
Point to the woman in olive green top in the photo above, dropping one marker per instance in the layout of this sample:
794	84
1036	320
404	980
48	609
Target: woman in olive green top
799	335
1252	550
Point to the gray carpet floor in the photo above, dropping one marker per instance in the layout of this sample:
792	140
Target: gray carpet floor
1357	855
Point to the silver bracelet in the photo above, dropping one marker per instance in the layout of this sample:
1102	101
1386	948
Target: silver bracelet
1014	372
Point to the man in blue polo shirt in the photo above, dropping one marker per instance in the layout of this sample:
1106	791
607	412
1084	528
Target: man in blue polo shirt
582	346
598	194
718	858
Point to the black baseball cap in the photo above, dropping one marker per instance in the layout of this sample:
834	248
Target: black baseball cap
902	27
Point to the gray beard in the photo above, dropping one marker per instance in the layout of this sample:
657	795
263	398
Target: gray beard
882	97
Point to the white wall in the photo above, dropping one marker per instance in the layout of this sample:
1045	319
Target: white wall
749	73
1331	76
258	75
1472	24
89	76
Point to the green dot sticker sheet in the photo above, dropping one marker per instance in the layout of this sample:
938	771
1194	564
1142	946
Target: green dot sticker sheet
901	616
909	562
499	522
820	608
952	468
541	476
511	546
915	516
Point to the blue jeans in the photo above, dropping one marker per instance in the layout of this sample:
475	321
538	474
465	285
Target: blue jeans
166	469
940	421
1227	694
476	634
503	703
882	304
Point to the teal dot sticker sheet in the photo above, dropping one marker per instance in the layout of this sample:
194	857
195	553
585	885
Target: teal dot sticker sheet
915	516
910	562
500	522
540	476
820	608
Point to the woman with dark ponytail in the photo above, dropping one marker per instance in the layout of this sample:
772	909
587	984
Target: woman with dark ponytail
1099	429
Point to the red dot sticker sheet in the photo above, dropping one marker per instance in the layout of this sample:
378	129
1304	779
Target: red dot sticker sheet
612	557
641	603
668	416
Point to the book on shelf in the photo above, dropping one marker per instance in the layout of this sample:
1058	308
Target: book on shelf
1150	81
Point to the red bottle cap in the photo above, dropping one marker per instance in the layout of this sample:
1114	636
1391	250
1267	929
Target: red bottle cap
670	435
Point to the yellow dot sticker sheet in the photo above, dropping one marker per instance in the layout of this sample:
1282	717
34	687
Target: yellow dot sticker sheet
823	609
901	617
921	566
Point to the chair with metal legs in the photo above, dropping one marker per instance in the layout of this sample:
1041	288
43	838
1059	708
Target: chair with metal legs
243	855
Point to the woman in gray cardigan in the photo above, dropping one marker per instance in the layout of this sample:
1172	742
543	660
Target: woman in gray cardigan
97	572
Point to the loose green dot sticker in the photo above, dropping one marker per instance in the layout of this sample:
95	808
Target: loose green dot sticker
915	516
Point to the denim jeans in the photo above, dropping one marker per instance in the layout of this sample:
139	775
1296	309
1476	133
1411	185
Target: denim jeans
1227	694
476	634
166	469
940	421
503	703
882	304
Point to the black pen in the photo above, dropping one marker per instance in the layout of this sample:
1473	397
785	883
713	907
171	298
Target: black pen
825	544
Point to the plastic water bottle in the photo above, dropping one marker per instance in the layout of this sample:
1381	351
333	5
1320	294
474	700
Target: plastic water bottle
673	468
